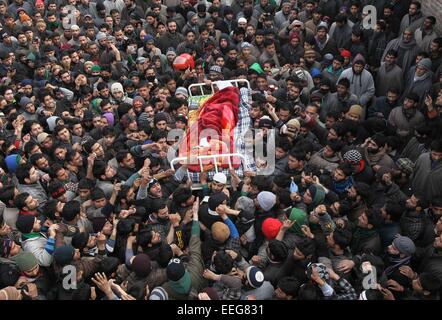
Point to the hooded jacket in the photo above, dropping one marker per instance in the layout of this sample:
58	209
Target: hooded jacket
362	85
407	52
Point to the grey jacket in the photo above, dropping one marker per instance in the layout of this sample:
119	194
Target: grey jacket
37	247
426	179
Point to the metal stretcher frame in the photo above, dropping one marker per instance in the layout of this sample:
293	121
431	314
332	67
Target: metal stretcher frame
235	82
201	158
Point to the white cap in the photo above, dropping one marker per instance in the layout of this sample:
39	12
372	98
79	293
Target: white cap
242	20
220	178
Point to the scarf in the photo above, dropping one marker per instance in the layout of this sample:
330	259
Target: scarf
342	186
407	45
421	78
321	45
396	262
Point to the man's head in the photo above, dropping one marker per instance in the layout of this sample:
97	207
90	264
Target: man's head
25	202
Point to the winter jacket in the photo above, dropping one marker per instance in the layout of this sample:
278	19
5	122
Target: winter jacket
418	227
413	150
388	77
341	35
329	164
424	39
41	247
362	85
412	23
337	104
405	127
381	106
427	178
36	191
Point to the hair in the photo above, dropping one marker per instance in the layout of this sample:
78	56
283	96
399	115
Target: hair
19	201
278	250
283	143
289	285
157	205
222	262
144	238
7	194
344	82
22	172
392	52
417	4
394	210
54	170
29	146
297	154
181	194
70	210
97	194
342	237
346	168
436	145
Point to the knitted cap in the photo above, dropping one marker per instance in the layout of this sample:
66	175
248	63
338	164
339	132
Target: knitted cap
117	87
141	265
220	232
355	110
158	293
405	245
353	156
266	200
42	137
12	161
270	228
26	261
425	63
175	269
255	277
182	90
24	101
220	178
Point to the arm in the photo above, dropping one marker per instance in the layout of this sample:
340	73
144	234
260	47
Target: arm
129	250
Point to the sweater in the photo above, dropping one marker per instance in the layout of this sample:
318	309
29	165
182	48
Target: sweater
362	85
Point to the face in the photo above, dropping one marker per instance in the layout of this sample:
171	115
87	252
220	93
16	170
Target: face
31	204
156	191
284	115
271	49
393	250
60	153
363	220
33	176
217	187
161	125
420	71
436	156
357	68
293	163
99	203
408	36
62	174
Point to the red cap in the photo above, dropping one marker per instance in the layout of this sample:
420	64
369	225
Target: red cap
346	54
270	228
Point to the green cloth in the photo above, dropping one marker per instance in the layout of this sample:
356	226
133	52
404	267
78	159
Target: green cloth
256	67
319	196
301	219
182	286
31	235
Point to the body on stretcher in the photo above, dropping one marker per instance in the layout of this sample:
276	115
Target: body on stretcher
216	157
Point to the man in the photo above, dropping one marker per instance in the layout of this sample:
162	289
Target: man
421	81
384	104
26	204
389	74
414	19
28	182
126	164
428	173
171	38
131	8
323	42
408	50
361	82
269	53
340	30
159	219
36	242
426	33
340	101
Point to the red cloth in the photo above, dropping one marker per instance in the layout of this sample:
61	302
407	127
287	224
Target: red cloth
220	114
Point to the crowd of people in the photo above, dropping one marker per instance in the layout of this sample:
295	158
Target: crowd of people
91	209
